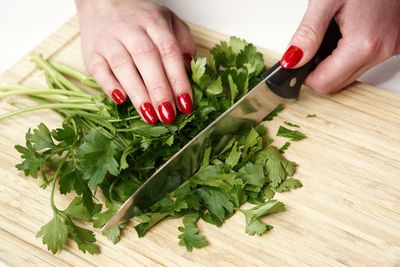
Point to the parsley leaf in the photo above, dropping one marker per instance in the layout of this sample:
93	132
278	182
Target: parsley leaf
293	135
291	124
54	234
284	147
147	221
41	138
234	156
253	174
274	112
276	165
32	161
97	158
76	209
84	238
190	237
253	225
216	201
215	87
288	184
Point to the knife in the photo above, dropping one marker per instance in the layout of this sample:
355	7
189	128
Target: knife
278	85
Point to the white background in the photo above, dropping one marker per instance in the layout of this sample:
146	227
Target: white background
267	23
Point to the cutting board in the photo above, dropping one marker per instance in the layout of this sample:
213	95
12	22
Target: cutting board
347	213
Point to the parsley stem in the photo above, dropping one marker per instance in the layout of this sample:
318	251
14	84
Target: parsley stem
49	106
125	119
53	73
83	78
60	165
16	89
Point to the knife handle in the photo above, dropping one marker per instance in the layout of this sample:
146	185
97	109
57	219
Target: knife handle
287	82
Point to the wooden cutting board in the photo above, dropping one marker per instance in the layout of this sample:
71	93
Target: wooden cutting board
347	213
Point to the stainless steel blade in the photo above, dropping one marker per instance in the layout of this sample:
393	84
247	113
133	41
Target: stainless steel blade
247	112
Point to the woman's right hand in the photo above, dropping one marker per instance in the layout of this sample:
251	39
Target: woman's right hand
138	49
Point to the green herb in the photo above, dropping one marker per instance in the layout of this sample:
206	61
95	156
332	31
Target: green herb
190	237
291	124
288	184
311	116
274	112
108	148
293	135
254	226
284	147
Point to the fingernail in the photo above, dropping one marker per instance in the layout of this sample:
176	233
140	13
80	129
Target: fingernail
148	113
292	56
167	113
187	58
185	103
118	96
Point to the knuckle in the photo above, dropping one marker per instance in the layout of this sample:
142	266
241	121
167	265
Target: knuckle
118	60
369	45
97	67
151	15
158	88
143	49
307	31
179	83
168	49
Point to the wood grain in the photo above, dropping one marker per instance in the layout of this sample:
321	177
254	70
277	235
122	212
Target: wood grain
347	213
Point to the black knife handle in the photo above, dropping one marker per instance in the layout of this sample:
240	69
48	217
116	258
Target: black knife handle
287	82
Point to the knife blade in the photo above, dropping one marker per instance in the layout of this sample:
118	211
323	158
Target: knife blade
278	85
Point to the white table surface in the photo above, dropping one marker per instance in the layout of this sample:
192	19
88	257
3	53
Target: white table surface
267	23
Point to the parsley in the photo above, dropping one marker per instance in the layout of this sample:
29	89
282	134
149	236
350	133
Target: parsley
190	237
291	124
101	146
288	184
293	135
284	147
274	112
254	226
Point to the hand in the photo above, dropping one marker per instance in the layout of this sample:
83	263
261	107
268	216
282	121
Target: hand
138	49
371	34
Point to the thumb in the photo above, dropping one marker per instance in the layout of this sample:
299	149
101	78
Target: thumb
309	34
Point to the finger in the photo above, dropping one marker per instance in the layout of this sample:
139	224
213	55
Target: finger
309	34
173	63
102	73
148	62
357	73
125	71
185	39
337	68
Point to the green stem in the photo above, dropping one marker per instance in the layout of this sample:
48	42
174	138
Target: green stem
34	91
94	118
57	76
125	119
61	164
49	106
83	78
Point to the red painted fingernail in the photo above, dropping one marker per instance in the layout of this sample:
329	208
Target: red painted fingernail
167	112
118	96
148	113
185	103
187	58
292	56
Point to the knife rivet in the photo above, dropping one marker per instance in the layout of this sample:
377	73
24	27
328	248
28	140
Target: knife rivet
293	82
